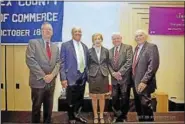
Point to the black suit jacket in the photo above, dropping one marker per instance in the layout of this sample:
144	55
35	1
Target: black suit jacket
94	65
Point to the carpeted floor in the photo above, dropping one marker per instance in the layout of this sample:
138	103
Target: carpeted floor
61	117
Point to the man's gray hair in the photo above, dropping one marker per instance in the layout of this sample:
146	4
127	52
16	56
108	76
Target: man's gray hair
75	27
141	31
46	23
116	33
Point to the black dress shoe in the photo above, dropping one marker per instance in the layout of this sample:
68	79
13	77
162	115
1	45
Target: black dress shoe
121	120
47	121
81	119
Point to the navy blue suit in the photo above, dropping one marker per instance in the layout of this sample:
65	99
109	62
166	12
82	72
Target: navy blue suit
69	66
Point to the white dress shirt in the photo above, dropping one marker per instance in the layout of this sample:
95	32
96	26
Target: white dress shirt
98	52
78	52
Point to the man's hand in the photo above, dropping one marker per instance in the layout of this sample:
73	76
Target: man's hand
117	75
141	87
48	78
64	83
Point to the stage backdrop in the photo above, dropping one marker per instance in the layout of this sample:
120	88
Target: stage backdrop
166	21
21	20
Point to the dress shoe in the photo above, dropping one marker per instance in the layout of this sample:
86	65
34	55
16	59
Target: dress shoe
114	120
81	119
124	120
119	120
72	121
47	121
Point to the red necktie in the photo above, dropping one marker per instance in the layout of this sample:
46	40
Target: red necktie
134	61
48	50
116	56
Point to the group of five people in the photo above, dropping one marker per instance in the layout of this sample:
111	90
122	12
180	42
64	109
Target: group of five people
77	65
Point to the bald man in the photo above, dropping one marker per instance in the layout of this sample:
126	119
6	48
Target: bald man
144	68
73	74
120	66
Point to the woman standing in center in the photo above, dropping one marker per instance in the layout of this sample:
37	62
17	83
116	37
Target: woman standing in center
98	76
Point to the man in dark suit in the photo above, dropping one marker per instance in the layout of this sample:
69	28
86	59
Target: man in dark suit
120	66
73	74
144	67
43	61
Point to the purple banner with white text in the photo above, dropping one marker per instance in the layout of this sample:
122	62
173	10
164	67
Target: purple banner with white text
166	21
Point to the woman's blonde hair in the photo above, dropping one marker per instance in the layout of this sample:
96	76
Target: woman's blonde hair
96	35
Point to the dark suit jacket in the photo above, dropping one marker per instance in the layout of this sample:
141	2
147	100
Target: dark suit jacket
39	64
125	64
69	65
147	66
94	65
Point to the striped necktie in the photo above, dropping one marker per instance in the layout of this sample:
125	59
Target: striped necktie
116	57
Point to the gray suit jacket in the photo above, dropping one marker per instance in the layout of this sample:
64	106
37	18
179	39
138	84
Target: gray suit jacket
39	64
125	64
94	65
147	66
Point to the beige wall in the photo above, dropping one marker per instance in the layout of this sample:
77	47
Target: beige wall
170	76
2	76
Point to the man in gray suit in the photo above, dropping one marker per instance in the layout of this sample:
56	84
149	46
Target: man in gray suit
120	66
144	67
73	74
43	61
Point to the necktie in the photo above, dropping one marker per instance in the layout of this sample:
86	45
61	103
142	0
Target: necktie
80	53
116	57
48	50
134	61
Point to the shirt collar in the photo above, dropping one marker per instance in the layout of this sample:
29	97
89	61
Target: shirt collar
74	41
118	47
141	45
97	47
46	41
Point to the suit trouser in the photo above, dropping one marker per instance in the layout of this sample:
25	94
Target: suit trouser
75	97
123	92
39	96
143	104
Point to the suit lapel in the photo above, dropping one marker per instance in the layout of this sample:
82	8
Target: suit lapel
73	49
85	53
112	57
94	55
102	54
43	49
52	52
120	51
142	50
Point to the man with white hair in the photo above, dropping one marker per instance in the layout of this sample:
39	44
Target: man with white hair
120	66
43	61
144	67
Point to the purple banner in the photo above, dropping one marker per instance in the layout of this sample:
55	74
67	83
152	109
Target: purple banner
166	21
